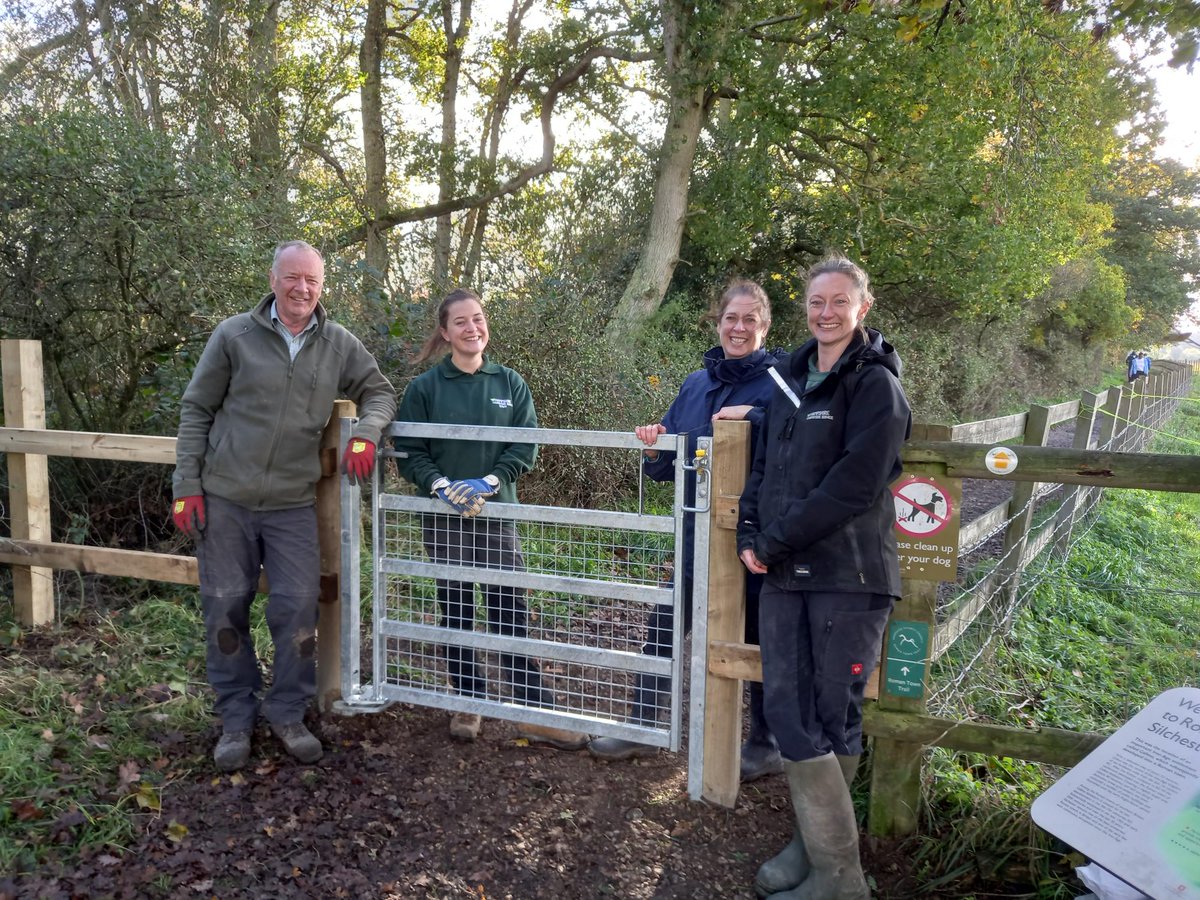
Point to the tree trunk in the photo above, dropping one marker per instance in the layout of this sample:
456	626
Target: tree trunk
660	251
264	109
374	144
447	162
470	248
690	57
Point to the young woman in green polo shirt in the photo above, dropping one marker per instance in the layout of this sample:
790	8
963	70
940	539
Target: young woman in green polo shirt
467	388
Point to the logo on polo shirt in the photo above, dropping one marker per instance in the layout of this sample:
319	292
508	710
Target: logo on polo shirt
502	402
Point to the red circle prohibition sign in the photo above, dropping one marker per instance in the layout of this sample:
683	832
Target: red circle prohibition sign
923	506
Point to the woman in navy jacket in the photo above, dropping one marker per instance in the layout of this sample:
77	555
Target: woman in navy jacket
733	384
816	520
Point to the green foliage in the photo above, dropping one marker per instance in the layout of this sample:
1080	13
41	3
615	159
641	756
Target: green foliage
551	338
1155	238
116	252
82	736
1086	297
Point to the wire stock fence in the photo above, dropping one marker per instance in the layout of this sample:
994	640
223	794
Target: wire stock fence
1014	599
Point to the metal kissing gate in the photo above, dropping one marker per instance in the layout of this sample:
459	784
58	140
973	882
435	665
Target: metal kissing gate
534	614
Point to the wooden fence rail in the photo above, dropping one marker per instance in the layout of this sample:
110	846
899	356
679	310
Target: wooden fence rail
900	727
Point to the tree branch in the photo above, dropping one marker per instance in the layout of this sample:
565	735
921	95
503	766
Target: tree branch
544	165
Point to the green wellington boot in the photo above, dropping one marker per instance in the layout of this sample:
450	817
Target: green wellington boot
790	866
829	831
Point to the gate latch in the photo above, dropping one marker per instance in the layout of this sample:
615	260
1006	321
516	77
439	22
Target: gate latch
701	465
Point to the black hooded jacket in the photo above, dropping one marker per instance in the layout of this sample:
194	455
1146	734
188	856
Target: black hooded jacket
817	510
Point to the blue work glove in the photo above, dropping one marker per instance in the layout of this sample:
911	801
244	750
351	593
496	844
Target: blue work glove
466	496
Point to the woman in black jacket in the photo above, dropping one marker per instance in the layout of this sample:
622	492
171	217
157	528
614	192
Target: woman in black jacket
816	520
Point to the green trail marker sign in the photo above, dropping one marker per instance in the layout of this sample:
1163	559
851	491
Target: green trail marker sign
907	651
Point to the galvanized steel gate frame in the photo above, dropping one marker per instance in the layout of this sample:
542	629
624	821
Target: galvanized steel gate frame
376	693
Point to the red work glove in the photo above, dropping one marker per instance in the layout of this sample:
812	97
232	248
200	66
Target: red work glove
188	514
358	460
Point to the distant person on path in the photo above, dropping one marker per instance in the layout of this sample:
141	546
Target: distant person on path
466	387
1140	366
246	469
816	520
733	384
1131	365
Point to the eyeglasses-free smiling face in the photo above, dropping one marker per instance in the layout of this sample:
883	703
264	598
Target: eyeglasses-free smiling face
296	280
741	328
835	310
466	329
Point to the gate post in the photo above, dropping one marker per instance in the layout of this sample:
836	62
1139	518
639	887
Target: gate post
329	535
28	477
726	613
895	796
895	799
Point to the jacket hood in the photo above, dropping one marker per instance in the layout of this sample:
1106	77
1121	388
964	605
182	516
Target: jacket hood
873	351
735	371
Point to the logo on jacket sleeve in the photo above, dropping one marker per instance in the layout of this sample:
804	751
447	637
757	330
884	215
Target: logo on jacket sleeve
502	402
856	669
822	414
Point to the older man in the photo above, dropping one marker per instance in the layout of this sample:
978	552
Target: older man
245	481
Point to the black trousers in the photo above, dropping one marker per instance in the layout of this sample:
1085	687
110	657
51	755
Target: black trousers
818	652
490	544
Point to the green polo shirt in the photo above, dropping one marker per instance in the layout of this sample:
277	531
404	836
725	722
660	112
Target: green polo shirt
494	395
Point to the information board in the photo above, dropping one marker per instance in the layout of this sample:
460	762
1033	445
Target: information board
1133	804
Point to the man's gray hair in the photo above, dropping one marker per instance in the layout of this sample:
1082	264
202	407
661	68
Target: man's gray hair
283	247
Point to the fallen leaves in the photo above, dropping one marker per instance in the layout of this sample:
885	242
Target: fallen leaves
147	797
26	810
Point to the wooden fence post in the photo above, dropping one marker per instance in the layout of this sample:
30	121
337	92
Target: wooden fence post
329	534
1064	521
895	796
726	612
1108	425
28	477
1137	412
1020	511
1124	419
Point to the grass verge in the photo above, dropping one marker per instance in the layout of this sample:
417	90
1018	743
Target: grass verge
95	722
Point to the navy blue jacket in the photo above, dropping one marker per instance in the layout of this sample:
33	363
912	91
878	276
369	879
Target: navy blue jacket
817	509
722	382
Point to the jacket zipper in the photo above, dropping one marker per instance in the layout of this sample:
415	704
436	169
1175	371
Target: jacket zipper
283	412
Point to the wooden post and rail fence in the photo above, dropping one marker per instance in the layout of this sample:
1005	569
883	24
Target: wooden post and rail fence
899	725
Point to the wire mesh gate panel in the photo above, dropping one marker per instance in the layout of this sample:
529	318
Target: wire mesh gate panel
535	614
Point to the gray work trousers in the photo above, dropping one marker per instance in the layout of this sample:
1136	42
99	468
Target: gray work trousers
236	542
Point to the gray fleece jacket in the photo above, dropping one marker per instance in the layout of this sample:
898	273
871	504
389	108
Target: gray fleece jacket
251	418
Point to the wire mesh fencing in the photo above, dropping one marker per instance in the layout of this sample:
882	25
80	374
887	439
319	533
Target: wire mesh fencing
1007	629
